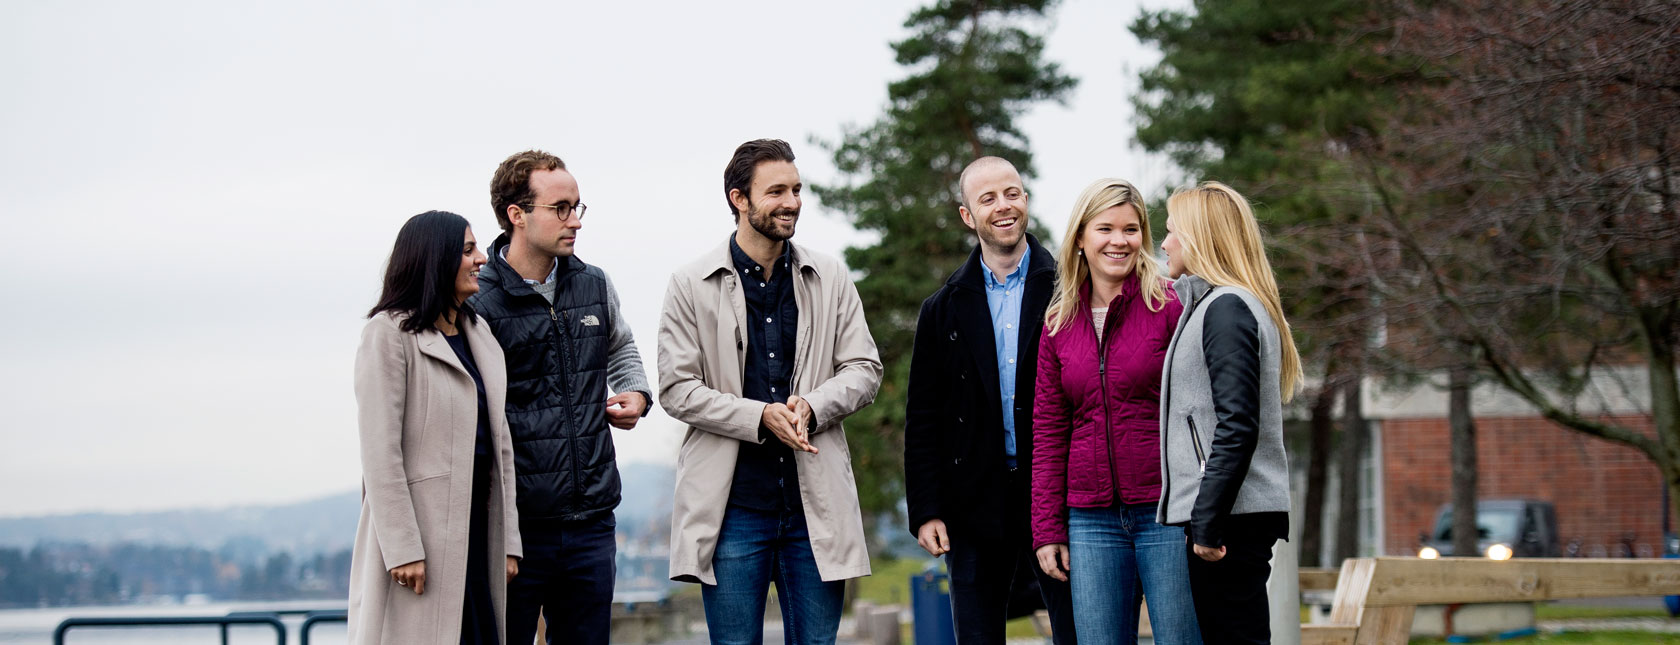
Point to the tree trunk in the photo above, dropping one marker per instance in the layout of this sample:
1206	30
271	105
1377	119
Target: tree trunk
1665	403
1353	445
1322	425
1463	449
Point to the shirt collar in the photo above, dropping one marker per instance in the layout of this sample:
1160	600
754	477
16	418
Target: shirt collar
745	263
553	271
1014	276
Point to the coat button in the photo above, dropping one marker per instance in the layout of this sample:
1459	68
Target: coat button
957	461
953	335
959	419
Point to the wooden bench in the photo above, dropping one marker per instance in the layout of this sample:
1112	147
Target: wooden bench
1375	597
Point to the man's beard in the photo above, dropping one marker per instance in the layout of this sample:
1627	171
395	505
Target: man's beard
1001	240
770	228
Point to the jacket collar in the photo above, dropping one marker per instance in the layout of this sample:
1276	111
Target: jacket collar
1129	289
477	334
721	259
497	271
432	343
971	275
1191	288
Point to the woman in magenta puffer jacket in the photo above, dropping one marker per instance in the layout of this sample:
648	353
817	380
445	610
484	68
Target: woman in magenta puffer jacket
1096	429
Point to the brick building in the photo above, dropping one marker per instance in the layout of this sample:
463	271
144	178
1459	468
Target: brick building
1608	496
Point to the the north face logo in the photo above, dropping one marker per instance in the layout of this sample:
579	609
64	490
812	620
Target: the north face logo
591	321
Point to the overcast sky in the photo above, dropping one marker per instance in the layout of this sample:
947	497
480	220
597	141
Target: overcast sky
204	195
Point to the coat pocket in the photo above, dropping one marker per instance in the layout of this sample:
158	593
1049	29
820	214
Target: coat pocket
1196	440
1087	466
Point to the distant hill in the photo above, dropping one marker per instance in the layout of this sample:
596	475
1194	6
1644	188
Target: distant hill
321	525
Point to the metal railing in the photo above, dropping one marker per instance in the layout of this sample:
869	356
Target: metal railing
224	622
317	617
311	619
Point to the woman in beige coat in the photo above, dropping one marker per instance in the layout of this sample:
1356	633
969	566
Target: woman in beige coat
438	517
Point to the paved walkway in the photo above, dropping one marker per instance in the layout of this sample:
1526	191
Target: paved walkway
1661	625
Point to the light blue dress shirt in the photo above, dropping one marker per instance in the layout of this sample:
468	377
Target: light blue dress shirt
1004	299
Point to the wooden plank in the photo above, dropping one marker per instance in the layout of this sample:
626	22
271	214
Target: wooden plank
1319	578
1327	634
1385	626
1351	588
1395	582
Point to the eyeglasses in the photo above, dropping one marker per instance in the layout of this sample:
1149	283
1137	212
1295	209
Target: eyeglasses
562	210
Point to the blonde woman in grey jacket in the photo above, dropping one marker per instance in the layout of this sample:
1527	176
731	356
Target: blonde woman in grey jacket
1230	367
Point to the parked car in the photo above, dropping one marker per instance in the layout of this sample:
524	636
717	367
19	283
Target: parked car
1505	529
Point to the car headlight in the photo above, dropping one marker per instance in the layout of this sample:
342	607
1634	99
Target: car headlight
1499	552
1428	553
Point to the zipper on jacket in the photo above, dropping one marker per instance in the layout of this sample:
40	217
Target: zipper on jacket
565	323
1108	422
1196	439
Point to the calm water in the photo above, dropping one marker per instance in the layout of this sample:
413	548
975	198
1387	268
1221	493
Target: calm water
35	626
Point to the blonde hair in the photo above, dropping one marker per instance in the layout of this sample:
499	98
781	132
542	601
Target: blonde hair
1220	241
1071	268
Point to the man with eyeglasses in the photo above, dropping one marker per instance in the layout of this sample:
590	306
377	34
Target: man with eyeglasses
557	320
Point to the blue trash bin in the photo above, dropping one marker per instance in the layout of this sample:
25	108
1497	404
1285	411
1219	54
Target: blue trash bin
930	607
1671	549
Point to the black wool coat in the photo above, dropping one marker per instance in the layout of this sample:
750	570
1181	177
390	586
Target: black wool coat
954	468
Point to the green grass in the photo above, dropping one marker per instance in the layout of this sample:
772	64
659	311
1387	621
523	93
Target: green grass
1580	638
890	584
1566	612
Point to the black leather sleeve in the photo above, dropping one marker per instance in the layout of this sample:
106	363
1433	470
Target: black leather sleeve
921	421
1231	342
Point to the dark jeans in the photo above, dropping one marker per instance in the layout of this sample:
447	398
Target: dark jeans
755	548
992	576
1231	593
567	574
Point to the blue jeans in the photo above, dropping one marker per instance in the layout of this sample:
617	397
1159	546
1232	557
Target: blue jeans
755	548
1119	555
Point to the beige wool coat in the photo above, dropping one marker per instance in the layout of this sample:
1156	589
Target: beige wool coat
702	354
418	416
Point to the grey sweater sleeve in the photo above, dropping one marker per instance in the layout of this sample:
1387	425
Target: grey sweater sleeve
624	363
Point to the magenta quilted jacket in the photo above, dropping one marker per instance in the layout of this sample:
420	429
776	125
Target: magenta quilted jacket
1096	410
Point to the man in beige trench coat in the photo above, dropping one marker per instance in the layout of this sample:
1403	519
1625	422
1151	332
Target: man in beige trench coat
763	349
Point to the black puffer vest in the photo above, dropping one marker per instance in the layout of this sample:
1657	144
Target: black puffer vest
557	386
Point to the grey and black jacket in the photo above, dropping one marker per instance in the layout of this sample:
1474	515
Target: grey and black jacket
1222	452
561	358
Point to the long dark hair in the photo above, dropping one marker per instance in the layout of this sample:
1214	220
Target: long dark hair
420	276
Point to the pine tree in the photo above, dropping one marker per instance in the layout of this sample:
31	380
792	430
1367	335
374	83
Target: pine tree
976	66
1271	97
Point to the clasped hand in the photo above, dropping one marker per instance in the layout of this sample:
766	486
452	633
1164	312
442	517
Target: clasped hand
790	422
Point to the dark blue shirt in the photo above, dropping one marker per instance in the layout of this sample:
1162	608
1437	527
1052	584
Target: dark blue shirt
766	476
458	342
